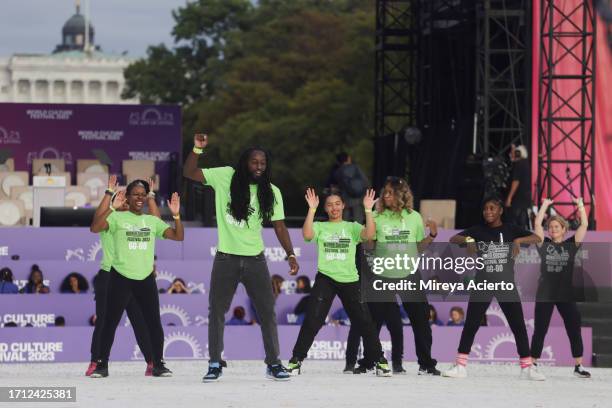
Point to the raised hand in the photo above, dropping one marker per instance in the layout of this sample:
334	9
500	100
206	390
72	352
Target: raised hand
312	198
578	201
200	140
546	202
152	186
369	201
433	227
174	204
119	200
112	182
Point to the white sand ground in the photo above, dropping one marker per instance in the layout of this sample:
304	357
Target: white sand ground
321	385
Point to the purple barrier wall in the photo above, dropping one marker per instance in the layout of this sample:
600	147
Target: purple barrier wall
70	132
191	310
492	345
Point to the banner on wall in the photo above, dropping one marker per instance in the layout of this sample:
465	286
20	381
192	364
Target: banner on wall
70	132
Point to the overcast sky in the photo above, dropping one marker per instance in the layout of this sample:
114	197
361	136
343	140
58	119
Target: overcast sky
35	26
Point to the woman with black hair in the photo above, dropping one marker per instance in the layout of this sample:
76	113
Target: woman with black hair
74	283
337	275
497	244
555	286
6	281
100	285
245	199
133	235
35	282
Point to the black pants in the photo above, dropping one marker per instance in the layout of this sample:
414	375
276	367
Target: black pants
121	291
387	313
133	312
571	319
322	295
514	314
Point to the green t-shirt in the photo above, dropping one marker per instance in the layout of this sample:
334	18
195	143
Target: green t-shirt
398	234
133	242
108	251
239	238
337	243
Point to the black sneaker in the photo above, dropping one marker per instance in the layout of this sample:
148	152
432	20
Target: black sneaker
214	372
277	372
398	369
294	367
428	371
349	369
101	370
160	370
580	372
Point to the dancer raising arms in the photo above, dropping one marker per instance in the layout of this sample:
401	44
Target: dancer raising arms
133	235
337	242
245	199
101	285
497	244
555	286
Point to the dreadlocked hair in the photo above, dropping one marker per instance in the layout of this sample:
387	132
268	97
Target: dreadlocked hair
240	193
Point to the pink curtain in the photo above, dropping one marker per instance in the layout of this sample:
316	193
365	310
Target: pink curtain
603	110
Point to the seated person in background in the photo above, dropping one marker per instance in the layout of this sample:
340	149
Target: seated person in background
456	317
433	317
60	321
74	283
35	282
340	318
178	286
6	281
238	317
302	284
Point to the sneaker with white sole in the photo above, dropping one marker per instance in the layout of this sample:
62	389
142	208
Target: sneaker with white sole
532	373
580	372
456	371
277	372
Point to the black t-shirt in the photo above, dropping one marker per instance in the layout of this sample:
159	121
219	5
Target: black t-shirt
520	173
495	247
556	270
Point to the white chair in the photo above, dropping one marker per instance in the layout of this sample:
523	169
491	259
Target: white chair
12	213
8	165
95	182
441	211
57	166
91	166
77	196
26	195
12	179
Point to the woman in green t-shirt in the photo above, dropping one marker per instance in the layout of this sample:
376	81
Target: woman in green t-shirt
133	234
400	228
337	274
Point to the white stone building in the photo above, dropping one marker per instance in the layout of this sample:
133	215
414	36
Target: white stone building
76	72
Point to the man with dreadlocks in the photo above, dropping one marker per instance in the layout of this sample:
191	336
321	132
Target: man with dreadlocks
244	200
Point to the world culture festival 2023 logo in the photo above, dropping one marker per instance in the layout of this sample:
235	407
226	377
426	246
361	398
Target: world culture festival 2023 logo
9	137
151	117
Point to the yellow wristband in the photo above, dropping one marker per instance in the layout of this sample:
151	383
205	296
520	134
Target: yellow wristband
176	217
198	150
314	210
368	211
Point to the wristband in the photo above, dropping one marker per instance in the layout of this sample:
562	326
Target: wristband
109	191
198	150
292	256
469	240
314	210
368	211
177	217
151	194
434	236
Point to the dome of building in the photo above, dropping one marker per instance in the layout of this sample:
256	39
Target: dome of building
73	33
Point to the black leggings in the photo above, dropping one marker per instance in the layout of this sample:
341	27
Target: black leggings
571	319
389	314
133	312
120	291
322	295
514	314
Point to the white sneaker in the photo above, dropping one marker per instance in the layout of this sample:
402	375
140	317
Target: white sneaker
456	371
532	373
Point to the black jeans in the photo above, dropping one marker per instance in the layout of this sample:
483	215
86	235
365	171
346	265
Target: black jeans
321	297
571	319
133	312
387	313
121	291
252	271
514	314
